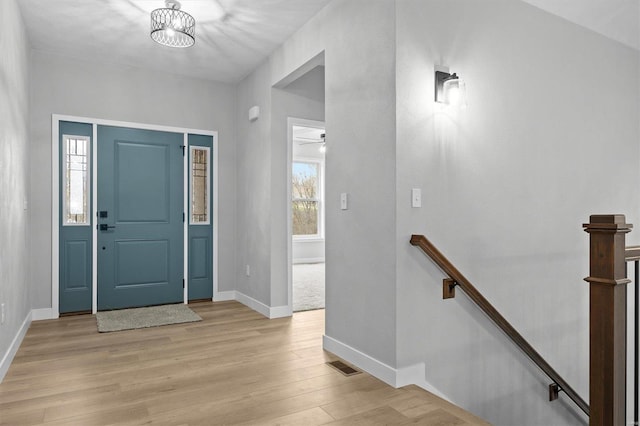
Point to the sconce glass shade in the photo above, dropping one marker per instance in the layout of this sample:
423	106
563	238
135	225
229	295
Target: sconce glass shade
450	90
172	27
455	92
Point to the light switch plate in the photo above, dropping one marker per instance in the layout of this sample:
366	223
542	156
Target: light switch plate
416	197
344	201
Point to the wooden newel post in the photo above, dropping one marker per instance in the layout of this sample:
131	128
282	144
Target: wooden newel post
607	324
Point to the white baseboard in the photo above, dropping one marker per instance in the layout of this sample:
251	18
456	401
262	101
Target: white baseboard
223	296
13	348
252	303
416	375
43	314
411	375
361	360
308	260
280	312
267	311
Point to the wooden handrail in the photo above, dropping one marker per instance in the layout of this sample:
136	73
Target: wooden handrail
447	267
632	253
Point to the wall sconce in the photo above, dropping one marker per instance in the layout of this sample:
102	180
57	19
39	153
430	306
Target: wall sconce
450	90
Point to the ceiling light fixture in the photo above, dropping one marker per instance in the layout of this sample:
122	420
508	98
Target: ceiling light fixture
172	27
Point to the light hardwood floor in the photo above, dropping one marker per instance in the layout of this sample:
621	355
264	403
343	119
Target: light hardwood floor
234	367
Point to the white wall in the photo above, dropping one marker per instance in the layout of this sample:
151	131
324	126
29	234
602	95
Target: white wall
308	251
14	178
546	141
72	87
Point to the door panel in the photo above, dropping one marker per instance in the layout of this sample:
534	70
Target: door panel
75	287
201	231
140	196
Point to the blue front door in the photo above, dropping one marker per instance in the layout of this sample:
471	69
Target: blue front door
139	217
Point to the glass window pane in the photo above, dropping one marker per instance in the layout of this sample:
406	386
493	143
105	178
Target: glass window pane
305	217
305	180
76	180
200	185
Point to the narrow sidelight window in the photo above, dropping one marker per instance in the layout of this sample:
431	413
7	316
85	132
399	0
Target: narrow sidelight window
200	190
75	180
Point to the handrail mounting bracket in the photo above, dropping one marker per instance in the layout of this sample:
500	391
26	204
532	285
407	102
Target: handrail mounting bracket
449	288
554	391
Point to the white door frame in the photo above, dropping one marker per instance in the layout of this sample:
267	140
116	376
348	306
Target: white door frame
293	121
55	202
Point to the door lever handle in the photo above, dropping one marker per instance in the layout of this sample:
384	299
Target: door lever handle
105	227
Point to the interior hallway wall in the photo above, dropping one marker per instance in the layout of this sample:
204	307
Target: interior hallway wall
545	142
14	176
114	92
262	184
284	105
254	187
357	37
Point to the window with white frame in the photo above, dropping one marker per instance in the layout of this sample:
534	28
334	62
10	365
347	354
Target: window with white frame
306	190
75	179
200	188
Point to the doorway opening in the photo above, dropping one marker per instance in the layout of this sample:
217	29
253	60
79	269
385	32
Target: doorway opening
299	99
307	167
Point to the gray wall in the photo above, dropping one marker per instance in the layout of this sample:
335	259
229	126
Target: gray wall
72	87
357	37
507	183
14	175
254	186
262	183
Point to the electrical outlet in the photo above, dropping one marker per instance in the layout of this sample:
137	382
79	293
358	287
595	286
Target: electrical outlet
248	270
3	313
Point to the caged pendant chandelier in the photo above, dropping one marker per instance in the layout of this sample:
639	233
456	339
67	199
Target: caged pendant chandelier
172	27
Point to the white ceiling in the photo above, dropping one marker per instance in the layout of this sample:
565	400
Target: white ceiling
307	142
234	36
616	19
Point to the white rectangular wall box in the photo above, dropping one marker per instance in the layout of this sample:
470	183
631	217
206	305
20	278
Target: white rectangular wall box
254	113
343	201
416	197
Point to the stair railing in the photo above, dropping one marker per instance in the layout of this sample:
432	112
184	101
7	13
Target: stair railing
607	319
456	279
632	254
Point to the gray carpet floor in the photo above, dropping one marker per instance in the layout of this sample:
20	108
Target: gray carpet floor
308	286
